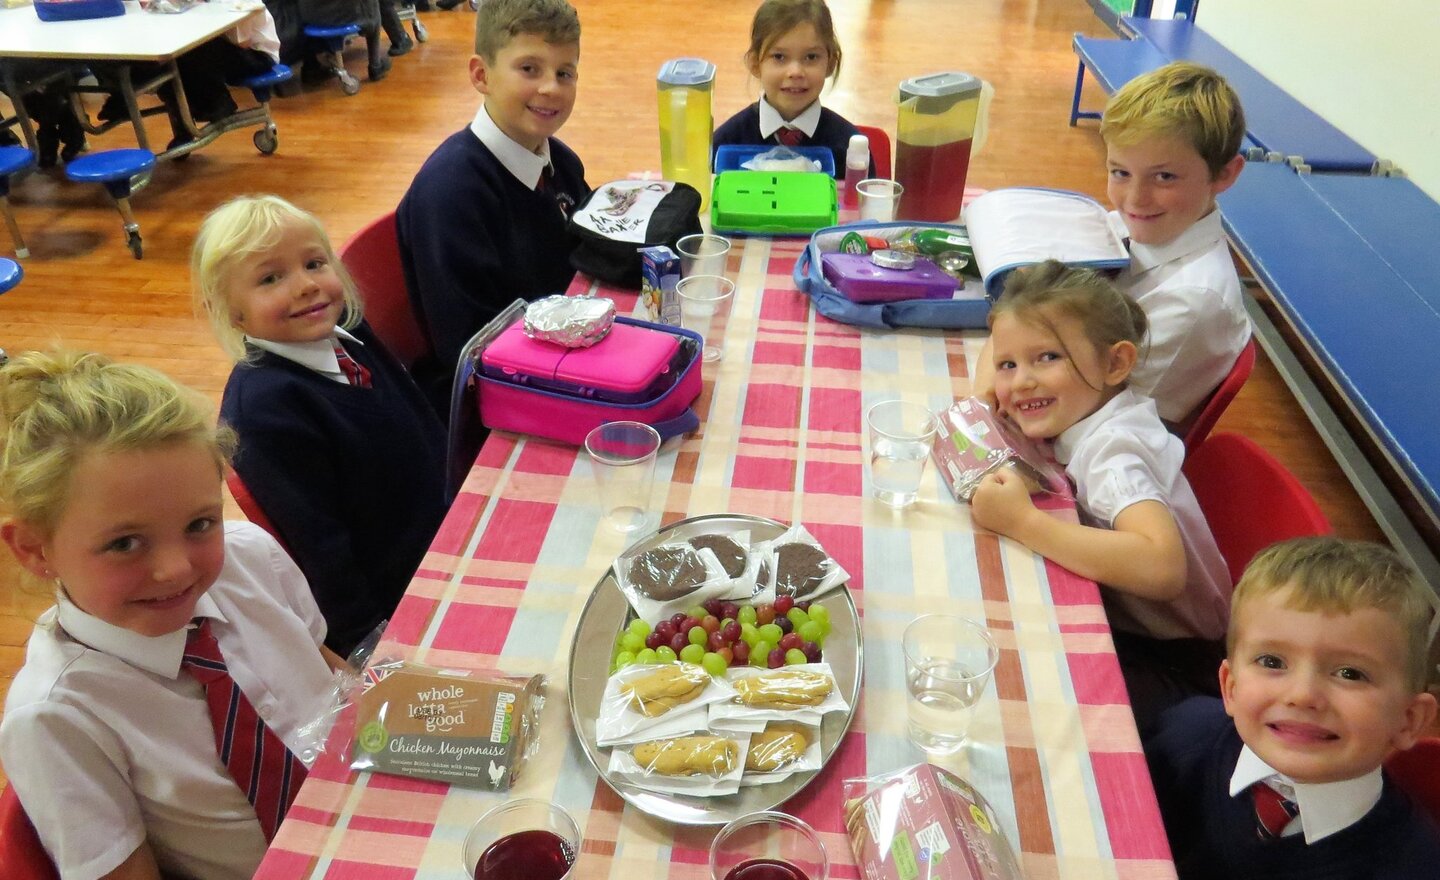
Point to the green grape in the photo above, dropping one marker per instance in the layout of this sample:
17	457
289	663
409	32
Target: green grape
819	614
697	635
692	654
824	627
639	628
761	648
795	657
747	614
749	633
697	611
714	664
665	654
632	643
645	657
811	631
798	617
770	632
623	659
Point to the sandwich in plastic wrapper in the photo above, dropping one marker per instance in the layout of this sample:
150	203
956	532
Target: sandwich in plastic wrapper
925	822
780	750
664	580
700	765
974	441
641	697
780	158
794	564
805	691
462	726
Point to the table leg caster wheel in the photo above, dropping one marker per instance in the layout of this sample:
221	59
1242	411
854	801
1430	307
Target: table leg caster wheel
137	247
266	140
349	84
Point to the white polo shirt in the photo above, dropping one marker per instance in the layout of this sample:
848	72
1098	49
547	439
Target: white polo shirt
109	743
525	165
1120	455
318	355
771	121
1191	295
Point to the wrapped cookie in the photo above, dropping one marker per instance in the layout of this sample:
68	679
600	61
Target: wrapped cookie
805	692
669	697
795	565
973	441
782	748
699	765
663	580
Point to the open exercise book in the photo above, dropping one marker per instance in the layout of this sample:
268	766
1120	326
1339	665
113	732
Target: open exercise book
1021	226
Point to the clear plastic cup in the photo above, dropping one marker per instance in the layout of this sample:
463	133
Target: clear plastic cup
704	305
878	198
702	254
900	438
525	839
768	845
949	660
622	456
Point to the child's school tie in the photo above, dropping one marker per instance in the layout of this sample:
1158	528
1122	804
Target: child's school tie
268	773
1272	811
790	137
355	372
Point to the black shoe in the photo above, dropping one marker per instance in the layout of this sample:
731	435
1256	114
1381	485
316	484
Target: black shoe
215	112
379	69
113	109
48	144
71	150
447	5
423	6
400	48
8	138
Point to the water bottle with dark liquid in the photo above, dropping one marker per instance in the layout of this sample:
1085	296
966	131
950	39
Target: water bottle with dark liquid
939	118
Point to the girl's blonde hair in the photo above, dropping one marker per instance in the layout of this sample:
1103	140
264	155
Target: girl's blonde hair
237	230
57	407
1037	293
775	18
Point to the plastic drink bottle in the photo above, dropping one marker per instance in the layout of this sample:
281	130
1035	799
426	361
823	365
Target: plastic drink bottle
940	117
685	122
857	165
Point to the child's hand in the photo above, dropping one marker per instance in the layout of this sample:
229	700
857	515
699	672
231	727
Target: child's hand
1001	502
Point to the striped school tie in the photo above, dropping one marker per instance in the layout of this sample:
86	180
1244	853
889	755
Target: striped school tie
1272	811
355	372
790	137
268	773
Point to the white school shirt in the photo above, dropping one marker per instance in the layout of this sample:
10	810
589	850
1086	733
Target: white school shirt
1120	455
318	355
525	165
109	743
771	121
1325	808
1192	297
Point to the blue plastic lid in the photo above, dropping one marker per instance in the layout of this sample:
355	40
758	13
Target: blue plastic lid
686	72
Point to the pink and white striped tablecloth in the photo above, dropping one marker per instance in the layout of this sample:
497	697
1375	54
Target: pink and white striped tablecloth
1055	748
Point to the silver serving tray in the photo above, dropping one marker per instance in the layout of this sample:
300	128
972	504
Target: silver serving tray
607	612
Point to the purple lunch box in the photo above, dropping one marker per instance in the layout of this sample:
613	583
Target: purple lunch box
859	280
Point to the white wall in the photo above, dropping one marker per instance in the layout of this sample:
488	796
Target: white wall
1370	67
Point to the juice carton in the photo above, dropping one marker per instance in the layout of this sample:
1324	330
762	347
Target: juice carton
659	273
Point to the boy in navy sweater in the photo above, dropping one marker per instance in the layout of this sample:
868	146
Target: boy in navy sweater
484	220
1325	677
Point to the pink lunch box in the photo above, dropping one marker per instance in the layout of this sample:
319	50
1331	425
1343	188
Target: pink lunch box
859	280
629	365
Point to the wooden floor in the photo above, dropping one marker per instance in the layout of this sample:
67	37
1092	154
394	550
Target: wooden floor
350	159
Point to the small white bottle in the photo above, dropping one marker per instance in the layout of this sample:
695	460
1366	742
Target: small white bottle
857	166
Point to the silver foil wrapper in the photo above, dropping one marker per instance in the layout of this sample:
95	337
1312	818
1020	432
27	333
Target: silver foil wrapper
571	321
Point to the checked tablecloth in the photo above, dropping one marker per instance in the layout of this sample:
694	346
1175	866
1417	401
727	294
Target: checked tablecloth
1054	745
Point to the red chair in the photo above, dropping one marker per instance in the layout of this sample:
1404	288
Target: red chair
1208	413
22	857
1417	772
372	257
1249	499
250	507
879	148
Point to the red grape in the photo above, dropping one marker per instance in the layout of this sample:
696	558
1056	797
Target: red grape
730	610
678	642
666	629
716	641
655	640
687	623
677	618
812	651
776	658
711	623
791	640
803	606
729	655
785	623
783	604
741	653
712	606
764	613
731	631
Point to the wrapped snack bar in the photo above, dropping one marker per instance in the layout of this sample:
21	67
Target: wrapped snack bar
925	822
973	442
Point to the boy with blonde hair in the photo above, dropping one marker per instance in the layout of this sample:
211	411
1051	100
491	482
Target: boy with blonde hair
1172	142
484	220
1325	677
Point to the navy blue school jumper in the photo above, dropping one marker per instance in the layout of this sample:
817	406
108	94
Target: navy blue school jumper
834	131
353	478
473	238
1192	756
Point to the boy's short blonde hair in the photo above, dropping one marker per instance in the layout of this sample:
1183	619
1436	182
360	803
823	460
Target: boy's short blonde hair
1336	576
241	228
1180	99
499	21
57	407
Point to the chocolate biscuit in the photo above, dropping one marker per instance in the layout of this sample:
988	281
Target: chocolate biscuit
730	554
800	569
667	573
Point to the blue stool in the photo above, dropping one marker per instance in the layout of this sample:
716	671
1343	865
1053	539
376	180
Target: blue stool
262	86
116	170
333	37
13	160
10	274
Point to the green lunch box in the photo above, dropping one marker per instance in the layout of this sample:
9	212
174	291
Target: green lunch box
772	202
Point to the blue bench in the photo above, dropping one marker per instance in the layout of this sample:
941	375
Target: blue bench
1351	265
1276	123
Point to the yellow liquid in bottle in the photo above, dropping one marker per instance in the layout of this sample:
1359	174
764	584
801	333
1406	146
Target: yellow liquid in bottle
685	127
